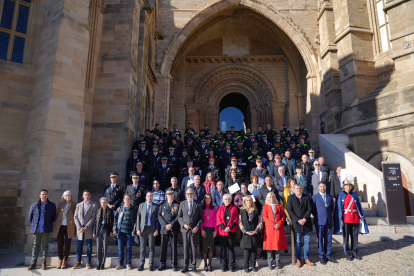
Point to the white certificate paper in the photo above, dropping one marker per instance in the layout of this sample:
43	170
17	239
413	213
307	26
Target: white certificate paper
261	180
242	164
234	188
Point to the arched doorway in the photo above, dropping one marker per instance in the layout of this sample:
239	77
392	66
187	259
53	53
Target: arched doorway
234	111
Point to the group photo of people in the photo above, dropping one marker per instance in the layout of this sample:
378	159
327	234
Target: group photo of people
202	190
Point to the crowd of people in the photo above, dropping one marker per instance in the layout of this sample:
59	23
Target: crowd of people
240	190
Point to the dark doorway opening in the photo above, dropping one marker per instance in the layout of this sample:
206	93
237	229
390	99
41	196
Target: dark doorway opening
230	115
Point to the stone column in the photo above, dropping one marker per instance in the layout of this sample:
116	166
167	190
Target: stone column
330	87
401	29
214	118
255	118
162	100
56	118
355	54
312	109
278	113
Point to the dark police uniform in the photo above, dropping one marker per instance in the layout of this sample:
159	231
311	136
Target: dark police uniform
167	214
261	173
214	170
131	166
153	163
239	175
137	194
115	196
164	176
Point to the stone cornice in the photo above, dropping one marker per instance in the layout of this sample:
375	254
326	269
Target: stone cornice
235	59
325	6
351	30
329	48
393	3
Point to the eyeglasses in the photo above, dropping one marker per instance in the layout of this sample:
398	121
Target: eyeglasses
113	176
190	193
317	164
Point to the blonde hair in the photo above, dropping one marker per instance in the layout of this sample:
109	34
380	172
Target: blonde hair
245	204
65	193
103	198
267	202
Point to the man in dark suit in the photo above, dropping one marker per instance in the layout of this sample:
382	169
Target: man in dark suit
190	217
217	194
281	180
239	171
136	191
131	165
147	227
322	209
167	216
300	209
267	188
315	177
336	184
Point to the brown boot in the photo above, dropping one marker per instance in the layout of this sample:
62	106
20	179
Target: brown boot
308	262
63	264
32	266
77	265
44	266
59	264
299	263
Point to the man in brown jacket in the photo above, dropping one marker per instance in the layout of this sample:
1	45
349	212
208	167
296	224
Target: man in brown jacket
85	214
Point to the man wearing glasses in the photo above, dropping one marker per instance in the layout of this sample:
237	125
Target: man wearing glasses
315	177
190	217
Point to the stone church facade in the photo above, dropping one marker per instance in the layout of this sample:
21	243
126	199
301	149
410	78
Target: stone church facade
86	77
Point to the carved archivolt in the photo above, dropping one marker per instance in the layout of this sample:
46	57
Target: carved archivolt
231	78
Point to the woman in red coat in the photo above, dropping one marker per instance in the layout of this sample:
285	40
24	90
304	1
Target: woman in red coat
274	235
227	220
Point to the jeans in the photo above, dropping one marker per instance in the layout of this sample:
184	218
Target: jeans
124	239
88	250
298	245
40	239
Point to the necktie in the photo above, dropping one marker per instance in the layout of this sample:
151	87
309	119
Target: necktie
324	198
191	206
319	175
163	166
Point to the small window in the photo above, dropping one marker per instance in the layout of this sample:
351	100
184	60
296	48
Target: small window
384	27
13	29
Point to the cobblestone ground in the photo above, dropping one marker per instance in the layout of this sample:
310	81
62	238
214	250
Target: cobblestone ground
381	258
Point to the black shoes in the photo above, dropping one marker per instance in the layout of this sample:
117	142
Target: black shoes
277	266
349	258
161	268
152	268
233	269
184	270
330	259
270	267
224	269
194	269
141	268
174	269
255	268
357	257
246	270
323	261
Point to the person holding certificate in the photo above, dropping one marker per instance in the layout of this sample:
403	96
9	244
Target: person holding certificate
238	198
232	185
286	193
254	189
227	220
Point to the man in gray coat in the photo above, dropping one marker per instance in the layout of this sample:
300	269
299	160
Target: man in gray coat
190	217
315	177
147	227
84	216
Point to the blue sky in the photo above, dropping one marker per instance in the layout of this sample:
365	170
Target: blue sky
231	116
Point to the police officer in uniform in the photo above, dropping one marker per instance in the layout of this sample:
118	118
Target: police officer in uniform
220	148
216	136
296	136
251	160
184	171
143	152
153	162
115	195
164	174
277	149
190	147
136	191
114	192
260	171
213	169
169	225
239	171
303	148
240	151
172	161
131	165
303	130
294	151
265	144
286	130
